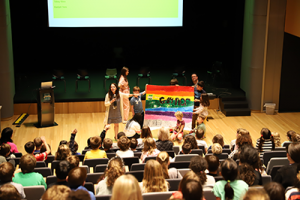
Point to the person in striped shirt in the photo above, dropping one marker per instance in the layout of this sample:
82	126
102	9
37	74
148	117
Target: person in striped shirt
265	142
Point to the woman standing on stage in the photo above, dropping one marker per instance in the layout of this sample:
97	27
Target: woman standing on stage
114	107
124	87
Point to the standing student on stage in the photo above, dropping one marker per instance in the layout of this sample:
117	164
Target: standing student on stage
124	88
198	90
178	129
136	103
114	107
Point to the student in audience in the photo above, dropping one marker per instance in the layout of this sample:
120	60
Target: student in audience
62	170
249	156
124	144
95	152
164	143
76	179
241	140
276	137
5	154
217	139
294	192
289	137
265	142
29	148
63	151
73	161
136	103
296	137
79	195
199	165
164	159
275	191
199	138
126	187
239	131
9	192
178	129
133	145
145	133
192	190
230	187
115	169
256	194
38	144
149	149
213	165
107	144
60	192
153	180
27	177
246	173
192	140
287	174
6	174
216	149
6	136
186	148
43	148
133	127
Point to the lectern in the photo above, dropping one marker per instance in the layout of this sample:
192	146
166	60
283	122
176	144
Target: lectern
46	107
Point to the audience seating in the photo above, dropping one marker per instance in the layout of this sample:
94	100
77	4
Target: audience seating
89	186
17	160
110	155
176	149
228	151
81	157
51	179
94	177
197	151
272	154
266	179
185	157
100	168
86	167
139	175
202	147
40	164
218	178
103	197
276	161
44	171
184	171
280	149
18	155
180	165
150	158
157	195
171	153
54	164
137	166
93	162
130	160
208	194
137	154
49	159
220	156
286	144
274	170
226	146
34	192
139	149
84	151
174	184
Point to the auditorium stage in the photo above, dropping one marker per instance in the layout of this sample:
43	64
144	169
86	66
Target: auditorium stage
91	124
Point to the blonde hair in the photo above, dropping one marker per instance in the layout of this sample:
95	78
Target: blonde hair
149	145
179	114
256	194
163	134
276	137
153	180
189	176
163	159
63	152
126	187
56	192
242	131
114	170
216	148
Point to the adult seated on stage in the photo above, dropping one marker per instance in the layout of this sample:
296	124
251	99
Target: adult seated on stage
124	151
133	127
149	149
287	174
194	80
29	148
164	143
145	133
6	136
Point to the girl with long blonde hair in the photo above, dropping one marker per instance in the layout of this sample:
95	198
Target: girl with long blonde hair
149	149
126	187
164	159
153	180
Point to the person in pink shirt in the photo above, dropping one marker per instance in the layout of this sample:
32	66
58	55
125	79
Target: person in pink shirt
6	136
124	88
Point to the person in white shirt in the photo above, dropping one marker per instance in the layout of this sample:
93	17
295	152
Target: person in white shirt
133	127
124	144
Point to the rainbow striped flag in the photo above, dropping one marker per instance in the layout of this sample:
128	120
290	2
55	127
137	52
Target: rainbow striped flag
163	101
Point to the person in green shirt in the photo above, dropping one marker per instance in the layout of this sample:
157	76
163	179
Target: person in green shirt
27	177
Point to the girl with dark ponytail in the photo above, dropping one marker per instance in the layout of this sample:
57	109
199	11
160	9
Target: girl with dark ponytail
230	187
265	142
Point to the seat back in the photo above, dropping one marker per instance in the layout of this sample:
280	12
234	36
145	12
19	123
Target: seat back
110	155
279	149
176	149
18	155
180	164
137	166
40	164
266	179
49	159
174	184
185	157
54	164
228	151
93	162
84	151
103	197
197	151
137	154
272	154
218	178
34	192
274	170
157	195
285	144
81	157
51	179
130	160
44	171
220	156
139	175
89	186
94	177
276	161
86	168
171	153
100	168
184	171
150	158
202	147
208	194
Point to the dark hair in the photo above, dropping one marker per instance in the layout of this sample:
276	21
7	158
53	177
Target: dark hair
289	134
27	163
205	100
73	161
95	142
63	151
146	132
6	172
76	177
88	142
63	142
294	151
198	165
4	149
229	172
199	133
38	142
265	134
133	143
9	192
186	148
120	134
43	148
192	190
249	155
218	139
29	147
6	135
296	137
107	142
75	146
212	162
297	181
275	190
124	143
247	173
78	195
200	83
136	117
192	140
110	94
62	169
123	73
174	81
136	89
243	140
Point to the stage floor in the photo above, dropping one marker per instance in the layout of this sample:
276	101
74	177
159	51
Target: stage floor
91	124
